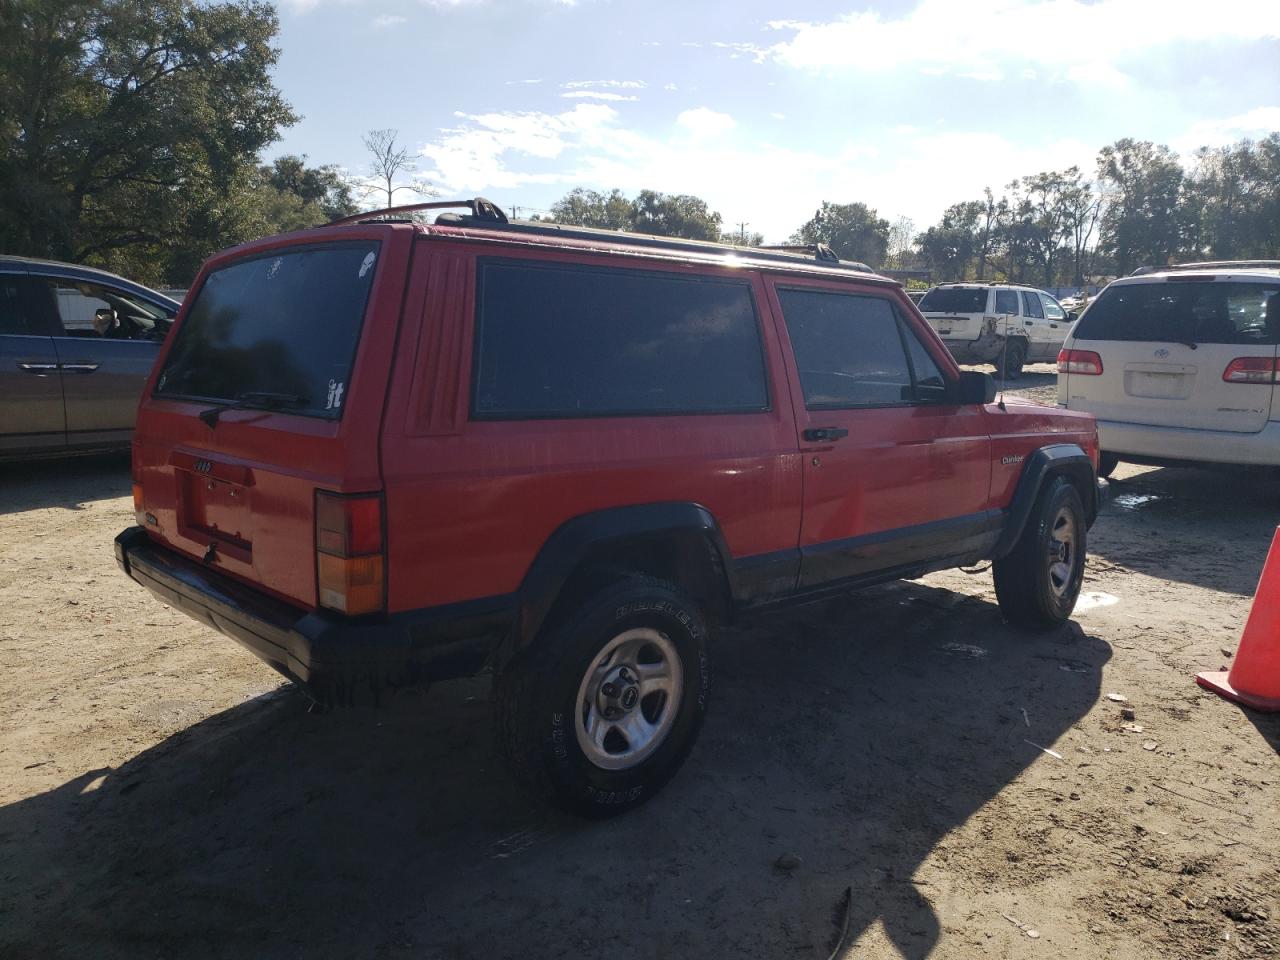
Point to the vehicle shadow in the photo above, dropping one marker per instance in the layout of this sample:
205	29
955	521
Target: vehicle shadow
66	482
854	735
1206	526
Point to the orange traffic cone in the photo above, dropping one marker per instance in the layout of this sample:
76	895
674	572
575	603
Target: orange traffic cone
1254	678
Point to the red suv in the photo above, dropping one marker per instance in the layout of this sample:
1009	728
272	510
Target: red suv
382	452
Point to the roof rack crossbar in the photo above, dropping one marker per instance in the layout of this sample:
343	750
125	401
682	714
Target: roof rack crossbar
480	208
820	251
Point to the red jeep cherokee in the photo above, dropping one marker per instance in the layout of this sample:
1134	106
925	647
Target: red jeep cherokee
383	452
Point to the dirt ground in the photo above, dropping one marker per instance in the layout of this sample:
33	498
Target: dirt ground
163	795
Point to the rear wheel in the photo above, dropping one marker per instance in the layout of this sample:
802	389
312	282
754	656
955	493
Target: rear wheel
602	710
1012	356
1038	582
1107	463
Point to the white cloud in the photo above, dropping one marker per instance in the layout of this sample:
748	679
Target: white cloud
669	87
598	95
382	21
516	83
1087	43
778	116
606	84
705	122
1213	133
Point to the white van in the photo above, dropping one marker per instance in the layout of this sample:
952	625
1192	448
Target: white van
997	323
1180	364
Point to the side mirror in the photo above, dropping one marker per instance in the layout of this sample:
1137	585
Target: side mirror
974	387
1073	316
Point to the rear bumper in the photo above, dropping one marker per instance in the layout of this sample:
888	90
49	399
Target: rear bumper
336	659
1195	446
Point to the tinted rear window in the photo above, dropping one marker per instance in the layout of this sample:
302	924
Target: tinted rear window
1182	310
585	341
281	324
954	300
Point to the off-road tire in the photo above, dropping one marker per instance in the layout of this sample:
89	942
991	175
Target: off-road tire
1107	463
1024	585
536	694
1012	356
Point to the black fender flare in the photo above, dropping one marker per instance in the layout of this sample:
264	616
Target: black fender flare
1053	460
690	528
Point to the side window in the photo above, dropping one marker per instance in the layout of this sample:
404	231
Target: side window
1031	304
19	314
1052	309
931	385
847	348
577	341
98	312
1007	302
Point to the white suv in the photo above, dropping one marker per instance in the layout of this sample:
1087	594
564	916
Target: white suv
997	323
1180	364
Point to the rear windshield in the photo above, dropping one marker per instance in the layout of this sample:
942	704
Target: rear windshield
953	300
286	324
1188	311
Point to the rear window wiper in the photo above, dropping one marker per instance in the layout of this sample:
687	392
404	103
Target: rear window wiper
1188	343
252	398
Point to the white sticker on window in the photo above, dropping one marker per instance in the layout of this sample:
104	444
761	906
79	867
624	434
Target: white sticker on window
368	262
334	401
274	268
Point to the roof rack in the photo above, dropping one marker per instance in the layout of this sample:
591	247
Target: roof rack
481	209
495	219
1209	265
820	251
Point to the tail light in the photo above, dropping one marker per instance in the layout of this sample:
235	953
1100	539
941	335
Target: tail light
1084	362
1252	370
350	560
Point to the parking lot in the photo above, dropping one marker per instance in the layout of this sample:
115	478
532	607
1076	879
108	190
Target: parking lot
163	794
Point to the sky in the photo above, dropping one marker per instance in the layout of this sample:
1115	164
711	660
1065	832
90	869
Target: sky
766	108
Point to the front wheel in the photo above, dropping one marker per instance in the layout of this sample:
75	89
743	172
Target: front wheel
601	711
1038	582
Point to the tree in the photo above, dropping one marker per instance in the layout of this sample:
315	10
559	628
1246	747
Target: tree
126	127
389	161
742	238
1143	185
674	215
1081	209
590	208
902	234
324	187
1231	199
853	230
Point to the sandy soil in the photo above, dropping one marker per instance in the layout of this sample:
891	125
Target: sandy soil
163	795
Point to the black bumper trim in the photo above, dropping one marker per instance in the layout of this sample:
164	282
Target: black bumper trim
336	658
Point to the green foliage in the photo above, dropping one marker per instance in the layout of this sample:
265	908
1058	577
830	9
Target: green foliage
129	132
853	230
1144	183
660	214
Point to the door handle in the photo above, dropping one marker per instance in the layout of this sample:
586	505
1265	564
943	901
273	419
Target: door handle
1031	323
823	434
80	367
37	367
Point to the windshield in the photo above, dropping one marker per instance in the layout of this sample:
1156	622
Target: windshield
284	323
954	300
1188	311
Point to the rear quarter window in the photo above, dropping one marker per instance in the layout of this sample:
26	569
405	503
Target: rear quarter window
1187	310
584	341
283	323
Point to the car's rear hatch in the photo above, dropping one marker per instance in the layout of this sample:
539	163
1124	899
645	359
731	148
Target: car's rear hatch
270	389
1195	351
956	313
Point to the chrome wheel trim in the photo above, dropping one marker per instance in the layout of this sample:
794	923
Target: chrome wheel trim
1063	544
628	699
